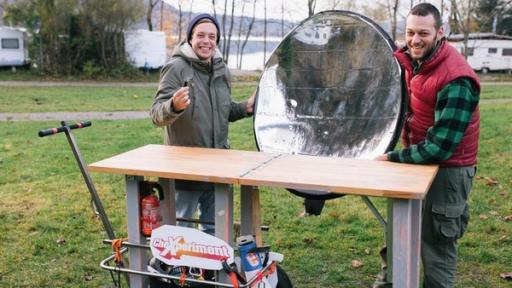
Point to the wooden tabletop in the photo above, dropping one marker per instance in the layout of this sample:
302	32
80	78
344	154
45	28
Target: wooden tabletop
345	176
187	163
338	175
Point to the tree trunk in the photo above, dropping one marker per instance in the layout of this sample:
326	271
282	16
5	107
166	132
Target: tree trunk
467	29
282	18
393	20
214	10
162	16
180	20
228	46
265	34
248	31
148	18
311	7
238	42
224	27
462	21
149	12
190	10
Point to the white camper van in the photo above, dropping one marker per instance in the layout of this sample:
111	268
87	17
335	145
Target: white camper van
486	51
13	47
145	49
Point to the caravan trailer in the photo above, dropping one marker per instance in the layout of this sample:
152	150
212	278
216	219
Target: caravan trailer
146	49
486	51
13	47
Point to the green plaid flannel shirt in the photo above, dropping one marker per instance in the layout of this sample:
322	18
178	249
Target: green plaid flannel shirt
454	107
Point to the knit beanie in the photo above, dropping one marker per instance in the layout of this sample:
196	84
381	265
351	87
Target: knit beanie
196	20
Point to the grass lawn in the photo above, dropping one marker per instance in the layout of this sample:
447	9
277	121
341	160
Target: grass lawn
84	98
51	238
493	91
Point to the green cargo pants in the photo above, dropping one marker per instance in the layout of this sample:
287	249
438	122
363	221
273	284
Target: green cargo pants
444	221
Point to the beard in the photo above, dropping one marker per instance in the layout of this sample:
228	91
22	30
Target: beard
425	52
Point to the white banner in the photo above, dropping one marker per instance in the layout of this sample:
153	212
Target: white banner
183	246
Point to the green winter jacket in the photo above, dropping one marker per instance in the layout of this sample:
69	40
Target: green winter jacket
204	123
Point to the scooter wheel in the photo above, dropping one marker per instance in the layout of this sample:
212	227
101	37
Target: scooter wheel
283	281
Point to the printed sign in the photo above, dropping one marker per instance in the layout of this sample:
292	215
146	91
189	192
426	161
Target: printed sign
183	246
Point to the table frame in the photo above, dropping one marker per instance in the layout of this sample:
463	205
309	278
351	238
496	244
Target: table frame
404	214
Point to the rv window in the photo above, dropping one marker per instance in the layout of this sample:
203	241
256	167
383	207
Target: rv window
493	50
470	51
507	52
10	43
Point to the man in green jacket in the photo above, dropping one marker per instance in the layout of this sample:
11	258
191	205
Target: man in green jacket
193	103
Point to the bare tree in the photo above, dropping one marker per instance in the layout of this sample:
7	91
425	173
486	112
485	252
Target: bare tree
340	4
249	29
190	10
224	26
393	9
462	14
214	9
149	13
180	20
378	11
162	16
265	33
228	45
311	7
282	18
334	4
238	42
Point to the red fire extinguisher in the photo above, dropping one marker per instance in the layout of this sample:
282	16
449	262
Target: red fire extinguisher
150	213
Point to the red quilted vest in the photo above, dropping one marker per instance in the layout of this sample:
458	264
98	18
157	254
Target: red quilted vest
444	66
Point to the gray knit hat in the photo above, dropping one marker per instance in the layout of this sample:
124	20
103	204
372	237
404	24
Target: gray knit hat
196	20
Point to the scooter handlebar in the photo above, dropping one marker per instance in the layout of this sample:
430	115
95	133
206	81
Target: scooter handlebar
52	131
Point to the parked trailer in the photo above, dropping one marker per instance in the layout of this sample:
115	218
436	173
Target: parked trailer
486	52
146	49
13	47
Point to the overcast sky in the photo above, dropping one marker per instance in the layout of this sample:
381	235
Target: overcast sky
294	10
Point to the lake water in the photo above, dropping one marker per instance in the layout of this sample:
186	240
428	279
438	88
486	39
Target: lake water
252	58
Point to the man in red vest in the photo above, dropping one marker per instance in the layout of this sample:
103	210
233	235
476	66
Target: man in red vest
442	127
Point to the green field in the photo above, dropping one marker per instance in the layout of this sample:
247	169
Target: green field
51	238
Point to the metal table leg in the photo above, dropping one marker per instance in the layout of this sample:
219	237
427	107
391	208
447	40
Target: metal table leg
168	204
250	219
137	256
224	219
224	212
406	243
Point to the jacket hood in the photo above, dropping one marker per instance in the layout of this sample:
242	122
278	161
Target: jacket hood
185	50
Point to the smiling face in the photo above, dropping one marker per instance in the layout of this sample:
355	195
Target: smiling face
421	35
204	40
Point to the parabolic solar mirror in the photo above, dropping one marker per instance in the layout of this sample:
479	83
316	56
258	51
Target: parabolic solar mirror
331	88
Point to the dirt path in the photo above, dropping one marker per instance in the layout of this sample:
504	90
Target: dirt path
77	84
131	84
118	115
73	116
82	116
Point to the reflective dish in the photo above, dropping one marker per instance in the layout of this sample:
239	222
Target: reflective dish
332	87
